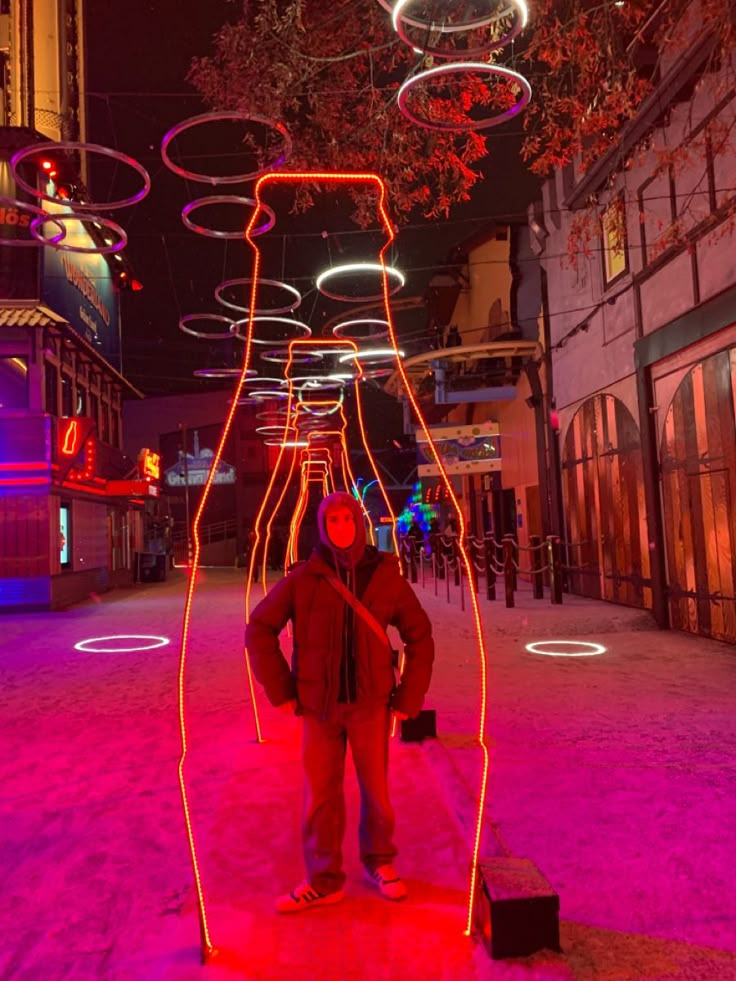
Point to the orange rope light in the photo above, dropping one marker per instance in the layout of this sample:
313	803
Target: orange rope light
274	512
375	181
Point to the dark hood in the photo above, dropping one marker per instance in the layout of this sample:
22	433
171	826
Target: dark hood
346	557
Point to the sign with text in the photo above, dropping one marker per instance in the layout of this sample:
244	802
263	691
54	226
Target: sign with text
462	449
79	287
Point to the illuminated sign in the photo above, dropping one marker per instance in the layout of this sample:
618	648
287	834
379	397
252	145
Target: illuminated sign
64	536
149	465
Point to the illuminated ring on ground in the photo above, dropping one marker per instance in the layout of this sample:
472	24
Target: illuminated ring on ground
213	199
371	354
278	355
105	151
463	66
338	329
355	267
84	645
62	246
216	117
592	649
203	335
301	329
228	283
222	372
34	241
400	23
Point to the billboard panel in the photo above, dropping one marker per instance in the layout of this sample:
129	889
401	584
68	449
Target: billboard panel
463	449
79	287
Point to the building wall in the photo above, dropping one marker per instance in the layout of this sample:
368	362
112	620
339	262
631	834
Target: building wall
597	327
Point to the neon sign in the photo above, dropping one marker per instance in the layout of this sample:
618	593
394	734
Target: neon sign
149	464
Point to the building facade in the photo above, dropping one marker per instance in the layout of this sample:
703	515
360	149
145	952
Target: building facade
72	505
643	349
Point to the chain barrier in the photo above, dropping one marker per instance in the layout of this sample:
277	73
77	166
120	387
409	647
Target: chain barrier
439	558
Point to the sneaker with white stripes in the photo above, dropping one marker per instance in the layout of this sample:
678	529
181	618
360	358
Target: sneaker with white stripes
305	897
388	882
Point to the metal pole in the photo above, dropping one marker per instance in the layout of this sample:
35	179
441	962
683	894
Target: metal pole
183	429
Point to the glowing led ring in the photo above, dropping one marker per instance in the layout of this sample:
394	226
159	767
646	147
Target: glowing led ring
301	329
464	66
85	645
63	246
370	354
216	117
446	28
261	394
287	444
274	430
322	411
358	267
281	412
265	380
316	383
229	283
339	329
400	22
53	148
278	355
591	649
10	204
222	372
204	335
213	199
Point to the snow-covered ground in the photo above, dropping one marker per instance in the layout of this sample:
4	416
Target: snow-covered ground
614	774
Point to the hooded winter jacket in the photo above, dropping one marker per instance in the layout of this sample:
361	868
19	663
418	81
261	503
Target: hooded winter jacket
317	611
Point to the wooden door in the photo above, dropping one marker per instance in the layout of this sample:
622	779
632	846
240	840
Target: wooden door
604	505
698	465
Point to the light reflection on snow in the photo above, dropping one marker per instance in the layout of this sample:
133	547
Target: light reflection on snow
543	647
87	645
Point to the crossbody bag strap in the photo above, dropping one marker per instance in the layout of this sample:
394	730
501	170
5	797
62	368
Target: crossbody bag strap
363	612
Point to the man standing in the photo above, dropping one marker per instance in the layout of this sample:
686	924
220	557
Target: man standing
342	682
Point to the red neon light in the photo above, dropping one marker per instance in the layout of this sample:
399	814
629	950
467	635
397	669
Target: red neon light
70	438
35	465
22	481
331	178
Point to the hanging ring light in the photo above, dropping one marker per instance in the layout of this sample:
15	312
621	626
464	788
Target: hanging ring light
514	8
301	330
269	311
450	126
215	199
217	117
352	268
205	335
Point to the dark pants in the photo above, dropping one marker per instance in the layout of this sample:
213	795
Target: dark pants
366	729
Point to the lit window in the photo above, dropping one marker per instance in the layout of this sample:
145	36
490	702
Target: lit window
13	383
613	228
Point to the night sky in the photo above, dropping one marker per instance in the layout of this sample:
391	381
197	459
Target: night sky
138	57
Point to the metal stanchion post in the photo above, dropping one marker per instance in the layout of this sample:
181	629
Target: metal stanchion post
490	569
555	567
537	583
508	570
447	578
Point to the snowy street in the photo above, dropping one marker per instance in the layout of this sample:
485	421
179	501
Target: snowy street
614	774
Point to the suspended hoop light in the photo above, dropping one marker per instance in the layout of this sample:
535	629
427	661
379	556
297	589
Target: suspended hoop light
370	354
215	199
450	126
267	394
68	146
301	329
63	217
287	444
218	117
339	330
264	380
204	335
351	268
10	205
274	430
278	355
502	9
321	412
222	372
270	311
